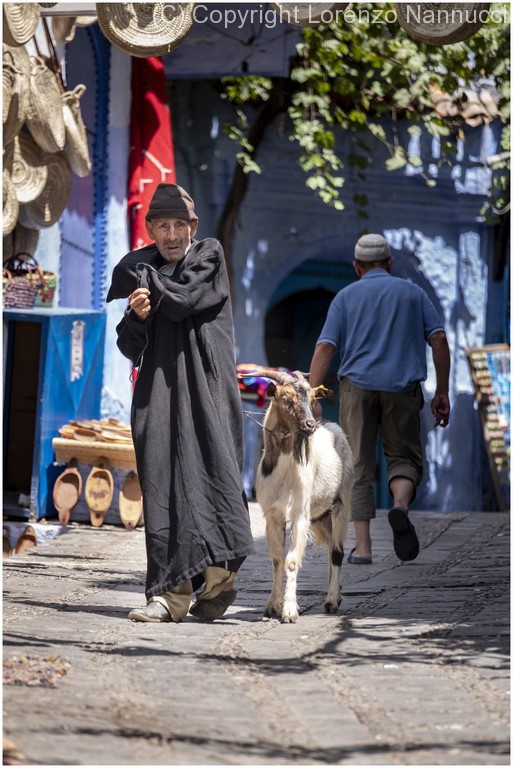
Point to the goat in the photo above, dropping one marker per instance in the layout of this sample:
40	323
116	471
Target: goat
304	478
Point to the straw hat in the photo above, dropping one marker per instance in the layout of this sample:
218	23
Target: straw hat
10	203
15	82
145	29
441	23
65	27
45	118
49	206
20	22
76	135
309	14
26	165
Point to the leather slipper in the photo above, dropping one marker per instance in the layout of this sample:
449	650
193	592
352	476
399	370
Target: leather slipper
99	490
27	540
66	491
209	610
355	560
130	501
406	543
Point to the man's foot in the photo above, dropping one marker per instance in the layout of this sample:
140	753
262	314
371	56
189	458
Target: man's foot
154	612
209	610
357	559
406	543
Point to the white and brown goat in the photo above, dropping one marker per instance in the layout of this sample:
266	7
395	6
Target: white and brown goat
304	478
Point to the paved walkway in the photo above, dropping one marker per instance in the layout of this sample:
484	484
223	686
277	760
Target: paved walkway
413	671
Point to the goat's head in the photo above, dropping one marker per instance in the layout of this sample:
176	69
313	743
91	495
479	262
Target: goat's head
293	397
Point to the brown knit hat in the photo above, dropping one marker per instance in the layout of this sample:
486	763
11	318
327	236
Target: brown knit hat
171	202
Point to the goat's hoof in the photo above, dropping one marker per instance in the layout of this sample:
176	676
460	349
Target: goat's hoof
330	607
271	612
290	615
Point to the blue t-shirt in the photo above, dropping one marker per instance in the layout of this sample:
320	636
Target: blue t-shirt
380	326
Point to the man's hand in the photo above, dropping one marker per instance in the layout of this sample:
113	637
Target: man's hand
139	301
441	409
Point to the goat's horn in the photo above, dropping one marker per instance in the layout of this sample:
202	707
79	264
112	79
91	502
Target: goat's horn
266	373
301	374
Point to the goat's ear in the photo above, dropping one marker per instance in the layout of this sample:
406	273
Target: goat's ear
271	389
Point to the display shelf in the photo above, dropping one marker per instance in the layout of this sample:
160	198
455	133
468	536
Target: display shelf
490	369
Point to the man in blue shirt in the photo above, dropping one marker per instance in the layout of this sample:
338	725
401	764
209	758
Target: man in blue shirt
380	325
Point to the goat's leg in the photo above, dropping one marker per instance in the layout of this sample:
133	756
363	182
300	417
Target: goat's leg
339	519
275	525
298	538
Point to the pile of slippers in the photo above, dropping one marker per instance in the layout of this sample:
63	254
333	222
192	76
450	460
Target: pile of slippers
94	430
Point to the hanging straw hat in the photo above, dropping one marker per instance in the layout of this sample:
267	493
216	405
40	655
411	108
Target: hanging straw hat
441	23
15	82
65	27
76	135
10	203
49	206
26	165
145	29
45	118
20	22
309	14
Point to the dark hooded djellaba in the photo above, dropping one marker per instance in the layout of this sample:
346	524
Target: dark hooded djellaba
186	413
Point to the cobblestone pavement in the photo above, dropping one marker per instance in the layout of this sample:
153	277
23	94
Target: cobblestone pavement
412	671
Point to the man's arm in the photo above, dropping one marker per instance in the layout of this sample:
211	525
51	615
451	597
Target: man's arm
319	368
321	362
440	406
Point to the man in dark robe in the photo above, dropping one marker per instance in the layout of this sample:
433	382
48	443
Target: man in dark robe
186	413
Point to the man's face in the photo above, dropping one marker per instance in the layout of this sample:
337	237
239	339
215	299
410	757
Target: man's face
172	236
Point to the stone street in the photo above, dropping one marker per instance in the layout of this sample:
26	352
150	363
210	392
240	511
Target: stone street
414	670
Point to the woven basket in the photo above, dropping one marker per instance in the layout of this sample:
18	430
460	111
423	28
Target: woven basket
46	281
15	82
20	22
49	206
309	14
76	136
145	29
10	203
21	283
27	166
117	455
45	118
441	23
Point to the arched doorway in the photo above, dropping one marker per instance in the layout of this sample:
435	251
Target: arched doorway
296	315
292	328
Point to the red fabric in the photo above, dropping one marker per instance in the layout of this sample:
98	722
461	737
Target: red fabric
151	160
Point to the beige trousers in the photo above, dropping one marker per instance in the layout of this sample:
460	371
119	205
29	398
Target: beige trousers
178	599
398	416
